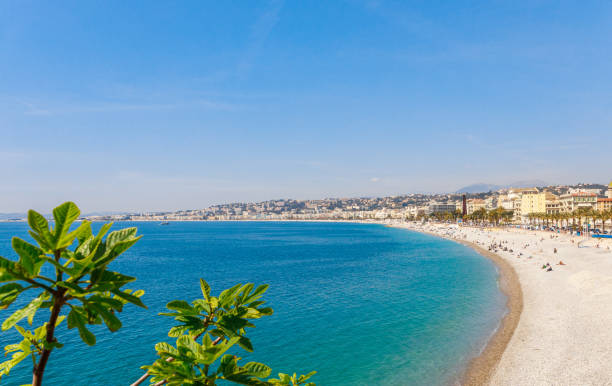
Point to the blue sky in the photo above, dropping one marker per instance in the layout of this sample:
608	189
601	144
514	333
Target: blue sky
172	105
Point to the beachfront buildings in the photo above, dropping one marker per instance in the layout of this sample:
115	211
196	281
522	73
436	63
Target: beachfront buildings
475	204
521	201
604	204
534	201
436	207
574	201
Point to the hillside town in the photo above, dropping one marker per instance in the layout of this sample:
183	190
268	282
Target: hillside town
518	205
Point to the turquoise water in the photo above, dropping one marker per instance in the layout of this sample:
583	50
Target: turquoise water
361	304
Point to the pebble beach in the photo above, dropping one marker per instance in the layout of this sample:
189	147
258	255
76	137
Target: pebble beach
559	289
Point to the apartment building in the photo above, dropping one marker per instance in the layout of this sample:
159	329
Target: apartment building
574	201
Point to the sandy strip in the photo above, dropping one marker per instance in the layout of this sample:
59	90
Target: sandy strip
564	334
481	368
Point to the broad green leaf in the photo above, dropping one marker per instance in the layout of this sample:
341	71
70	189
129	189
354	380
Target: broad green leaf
201	305
110	319
9	270
70	237
8	293
120	235
177	331
27	311
64	216
40	226
226	298
85	233
129	298
258	369
107	301
246	344
257	293
115	278
111	253
205	289
75	319
244	291
165	348
182	306
29	256
5	367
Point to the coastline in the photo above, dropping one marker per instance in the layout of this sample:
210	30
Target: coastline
481	368
562	335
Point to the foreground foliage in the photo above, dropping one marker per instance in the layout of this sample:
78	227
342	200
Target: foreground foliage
83	291
82	283
219	323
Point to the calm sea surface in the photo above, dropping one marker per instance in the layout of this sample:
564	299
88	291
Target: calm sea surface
361	304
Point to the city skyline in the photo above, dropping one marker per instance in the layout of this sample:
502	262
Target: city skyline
202	103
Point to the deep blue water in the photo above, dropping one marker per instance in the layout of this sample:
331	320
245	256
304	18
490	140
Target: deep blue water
361	304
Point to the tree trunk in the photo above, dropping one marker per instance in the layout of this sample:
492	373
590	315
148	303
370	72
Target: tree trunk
37	376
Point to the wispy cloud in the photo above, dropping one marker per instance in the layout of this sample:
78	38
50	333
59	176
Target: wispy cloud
40	108
259	34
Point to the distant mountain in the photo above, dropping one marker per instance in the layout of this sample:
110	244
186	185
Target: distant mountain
479	188
483	188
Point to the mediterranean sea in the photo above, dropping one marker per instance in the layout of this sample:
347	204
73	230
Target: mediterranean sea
362	304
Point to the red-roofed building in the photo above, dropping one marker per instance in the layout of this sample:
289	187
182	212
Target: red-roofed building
574	201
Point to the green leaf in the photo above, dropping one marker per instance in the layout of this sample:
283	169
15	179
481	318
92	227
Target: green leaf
67	240
130	298
226	297
8	270
29	256
246	344
75	319
120	235
165	348
5	367
28	311
85	233
182	306
64	216
112	322
258	369
205	289
259	291
40	226
111	253
115	278
8	293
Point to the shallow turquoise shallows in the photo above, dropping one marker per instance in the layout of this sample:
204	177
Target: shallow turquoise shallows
361	304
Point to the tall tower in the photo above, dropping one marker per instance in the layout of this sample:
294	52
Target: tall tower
464	198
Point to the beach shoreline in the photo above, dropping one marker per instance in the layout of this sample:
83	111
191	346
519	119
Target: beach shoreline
559	294
481	368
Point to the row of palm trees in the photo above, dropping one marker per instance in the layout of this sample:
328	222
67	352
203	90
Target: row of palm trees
495	216
574	219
